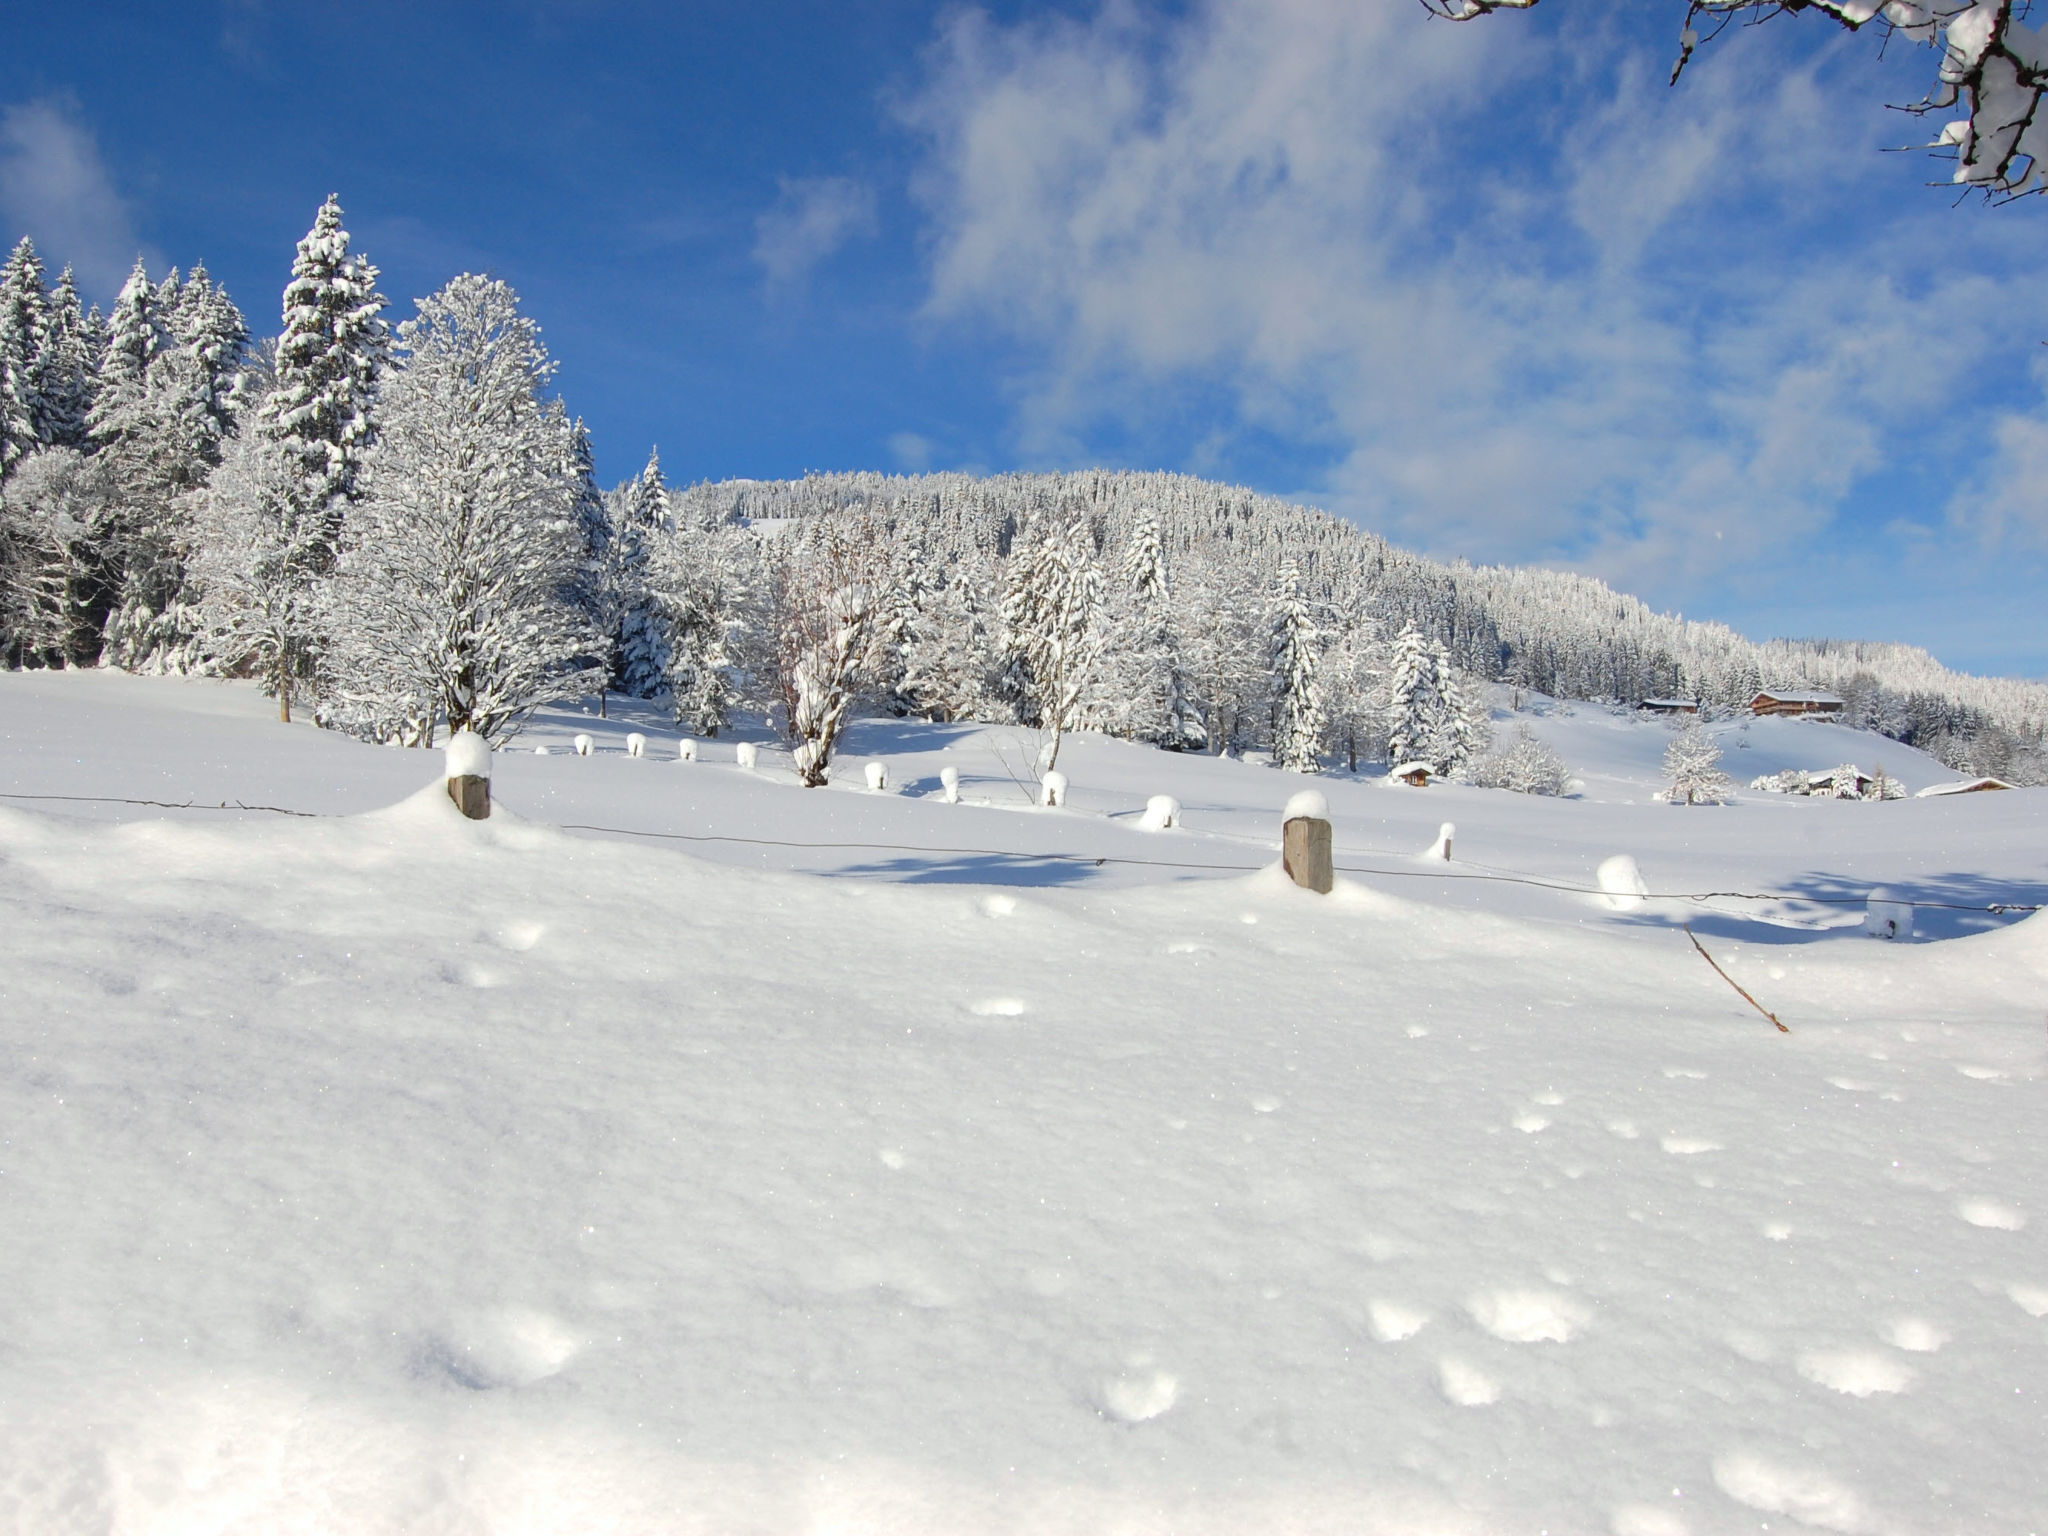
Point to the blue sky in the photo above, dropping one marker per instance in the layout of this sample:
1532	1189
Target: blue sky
1491	289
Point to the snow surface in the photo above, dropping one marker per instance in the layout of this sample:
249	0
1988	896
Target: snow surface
381	1170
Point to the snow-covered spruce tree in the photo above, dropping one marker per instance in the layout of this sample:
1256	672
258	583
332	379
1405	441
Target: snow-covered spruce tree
827	583
1298	721
1052	618
640	520
950	655
1460	729
703	584
449	601
67	366
24	320
257	558
321	406
1412	703
1222	650
1693	764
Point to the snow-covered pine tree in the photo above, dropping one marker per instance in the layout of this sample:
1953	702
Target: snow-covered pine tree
642	521
1693	764
321	406
703	584
448	602
1412	703
1459	729
24	320
950	656
1297	703
67	365
1053	618
257	557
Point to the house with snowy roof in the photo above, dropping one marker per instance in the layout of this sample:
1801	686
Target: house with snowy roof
1964	787
1416	773
1670	706
1775	703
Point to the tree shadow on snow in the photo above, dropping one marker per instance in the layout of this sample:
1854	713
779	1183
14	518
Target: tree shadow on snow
972	869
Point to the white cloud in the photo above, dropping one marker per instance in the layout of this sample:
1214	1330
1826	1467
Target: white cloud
811	218
1533	337
55	188
912	451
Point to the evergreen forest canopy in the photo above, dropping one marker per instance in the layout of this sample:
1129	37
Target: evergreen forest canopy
399	530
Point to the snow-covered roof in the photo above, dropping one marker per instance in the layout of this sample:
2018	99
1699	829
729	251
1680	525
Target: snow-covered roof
1669	704
1963	787
1798	698
1402	770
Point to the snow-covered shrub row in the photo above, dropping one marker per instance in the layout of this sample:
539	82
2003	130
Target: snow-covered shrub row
1848	782
1527	765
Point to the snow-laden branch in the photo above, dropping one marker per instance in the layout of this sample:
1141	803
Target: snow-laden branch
1993	66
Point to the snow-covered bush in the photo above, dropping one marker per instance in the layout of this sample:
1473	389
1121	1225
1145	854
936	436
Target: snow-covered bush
1527	765
1693	764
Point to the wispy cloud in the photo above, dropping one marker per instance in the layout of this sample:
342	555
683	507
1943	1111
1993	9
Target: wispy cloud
55	187
1595	326
810	219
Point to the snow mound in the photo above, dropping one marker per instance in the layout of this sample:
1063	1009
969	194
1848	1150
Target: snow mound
1528	1317
1161	812
1137	1395
1623	883
468	756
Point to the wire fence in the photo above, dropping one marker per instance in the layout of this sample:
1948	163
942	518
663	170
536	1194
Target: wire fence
1416	871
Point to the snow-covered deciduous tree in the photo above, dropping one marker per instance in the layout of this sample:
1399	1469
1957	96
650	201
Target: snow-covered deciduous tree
450	601
1693	765
1993	67
1353	683
828	583
1298	721
329	355
1052	616
1527	765
258	556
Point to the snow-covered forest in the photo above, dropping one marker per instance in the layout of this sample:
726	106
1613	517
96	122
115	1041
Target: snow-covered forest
398	529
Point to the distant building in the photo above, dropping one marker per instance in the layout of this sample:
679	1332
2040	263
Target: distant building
1964	787
1670	706
1795	704
1417	774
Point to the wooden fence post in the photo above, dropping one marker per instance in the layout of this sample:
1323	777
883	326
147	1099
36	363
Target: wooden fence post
469	774
1305	843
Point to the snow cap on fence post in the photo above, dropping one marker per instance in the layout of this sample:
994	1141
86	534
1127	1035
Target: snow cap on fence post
636	745
1622	881
746	754
686	750
949	784
1305	842
584	745
878	776
1886	917
1161	812
1052	789
469	774
1441	848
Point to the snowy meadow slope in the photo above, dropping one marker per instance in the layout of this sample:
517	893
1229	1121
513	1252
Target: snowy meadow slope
381	1170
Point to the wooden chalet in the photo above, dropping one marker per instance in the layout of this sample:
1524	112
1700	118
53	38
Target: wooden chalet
1669	706
1795	704
1417	774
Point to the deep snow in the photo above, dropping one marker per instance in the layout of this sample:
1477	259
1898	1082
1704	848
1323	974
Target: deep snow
383	1170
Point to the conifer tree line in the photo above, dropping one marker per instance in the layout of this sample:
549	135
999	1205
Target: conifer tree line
397	529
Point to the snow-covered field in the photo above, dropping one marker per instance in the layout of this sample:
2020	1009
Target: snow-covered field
377	1170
